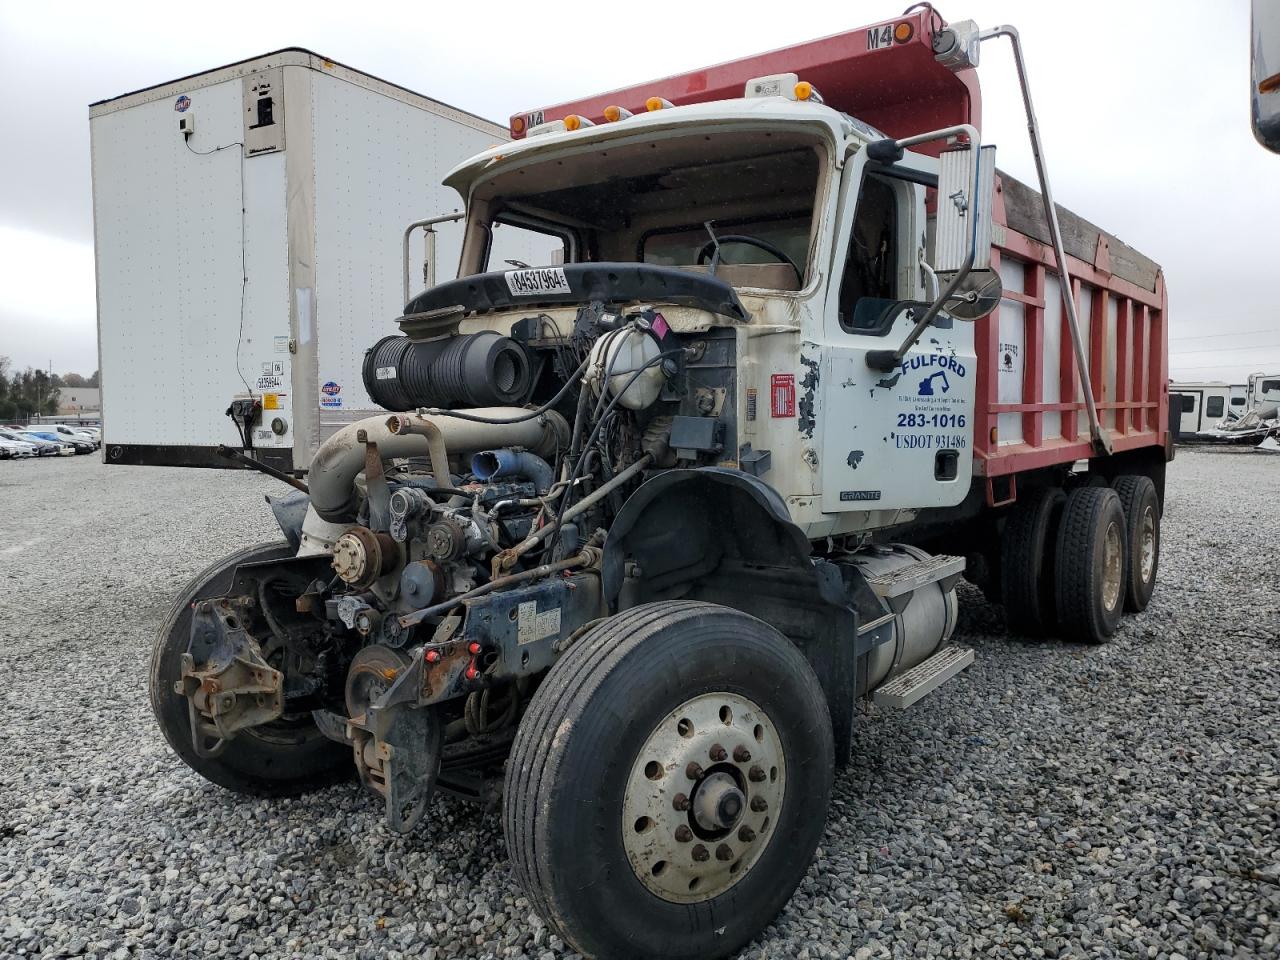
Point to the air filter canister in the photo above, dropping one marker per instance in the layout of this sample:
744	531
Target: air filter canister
470	370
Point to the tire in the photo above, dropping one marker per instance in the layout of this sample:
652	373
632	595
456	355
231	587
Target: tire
1090	565
1141	509
573	782
1027	562
286	758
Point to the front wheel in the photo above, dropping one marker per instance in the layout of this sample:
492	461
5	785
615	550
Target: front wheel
283	758
669	783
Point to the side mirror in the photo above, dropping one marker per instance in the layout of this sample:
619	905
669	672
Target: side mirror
966	193
1265	73
977	294
970	289
964	216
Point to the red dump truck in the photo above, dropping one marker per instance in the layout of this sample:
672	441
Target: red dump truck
655	508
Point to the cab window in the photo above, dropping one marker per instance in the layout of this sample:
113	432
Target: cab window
871	267
518	245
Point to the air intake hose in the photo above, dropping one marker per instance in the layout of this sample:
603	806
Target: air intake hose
468	370
500	464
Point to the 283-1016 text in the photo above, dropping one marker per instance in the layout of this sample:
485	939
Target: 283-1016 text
943	420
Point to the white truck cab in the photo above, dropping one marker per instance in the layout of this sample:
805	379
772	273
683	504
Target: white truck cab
828	251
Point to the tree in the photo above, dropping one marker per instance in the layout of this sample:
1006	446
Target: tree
74	380
34	392
93	381
8	409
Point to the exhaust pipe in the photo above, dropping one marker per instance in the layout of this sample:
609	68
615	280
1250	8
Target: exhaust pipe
340	459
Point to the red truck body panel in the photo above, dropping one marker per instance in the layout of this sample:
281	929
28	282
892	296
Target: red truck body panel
899	88
895	86
1126	338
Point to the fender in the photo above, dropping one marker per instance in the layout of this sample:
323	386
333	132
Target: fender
724	536
680	524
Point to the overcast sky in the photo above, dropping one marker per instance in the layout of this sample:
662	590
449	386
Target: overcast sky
1143	107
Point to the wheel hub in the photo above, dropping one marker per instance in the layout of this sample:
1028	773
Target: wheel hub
703	797
1112	565
1148	544
717	803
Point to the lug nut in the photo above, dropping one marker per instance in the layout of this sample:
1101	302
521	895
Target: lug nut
759	804
694	770
746	834
724	852
680	802
741	754
718	753
755	775
683	833
700	853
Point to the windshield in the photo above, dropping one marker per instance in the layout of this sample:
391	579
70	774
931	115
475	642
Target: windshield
650	202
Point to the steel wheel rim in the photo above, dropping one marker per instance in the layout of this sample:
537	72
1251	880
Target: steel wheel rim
1148	541
1112	566
679	835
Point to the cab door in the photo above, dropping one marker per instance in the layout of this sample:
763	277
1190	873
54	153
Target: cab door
900	439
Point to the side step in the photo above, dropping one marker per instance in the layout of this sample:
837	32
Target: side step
906	688
916	575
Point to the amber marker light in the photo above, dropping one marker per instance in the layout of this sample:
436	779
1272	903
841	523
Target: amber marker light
805	91
904	31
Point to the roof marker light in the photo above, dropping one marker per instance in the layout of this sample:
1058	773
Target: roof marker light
903	31
804	90
575	122
613	114
657	103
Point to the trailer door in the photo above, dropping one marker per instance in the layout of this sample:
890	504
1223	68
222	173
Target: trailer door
1189	418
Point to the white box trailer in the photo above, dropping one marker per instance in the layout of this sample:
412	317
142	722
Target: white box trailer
1204	403
248	224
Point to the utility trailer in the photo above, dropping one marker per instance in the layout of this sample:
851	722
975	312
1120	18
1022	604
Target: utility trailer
1201	405
645	518
248	223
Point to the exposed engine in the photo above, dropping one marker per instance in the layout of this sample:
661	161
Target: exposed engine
446	556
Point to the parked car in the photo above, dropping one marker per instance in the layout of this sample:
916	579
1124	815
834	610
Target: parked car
15	449
65	446
44	448
73	433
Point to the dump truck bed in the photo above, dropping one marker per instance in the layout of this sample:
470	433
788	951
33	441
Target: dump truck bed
1030	412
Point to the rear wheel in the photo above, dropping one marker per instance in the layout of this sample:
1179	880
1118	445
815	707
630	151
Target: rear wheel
1027	562
1141	509
1091	559
669	783
283	758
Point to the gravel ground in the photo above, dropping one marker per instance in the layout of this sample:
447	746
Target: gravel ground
1053	801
